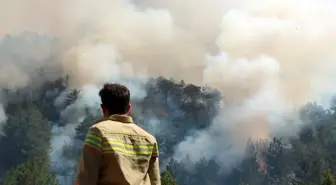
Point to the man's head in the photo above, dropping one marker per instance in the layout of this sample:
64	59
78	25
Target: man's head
115	99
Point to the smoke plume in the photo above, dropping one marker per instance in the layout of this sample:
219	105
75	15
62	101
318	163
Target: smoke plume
266	57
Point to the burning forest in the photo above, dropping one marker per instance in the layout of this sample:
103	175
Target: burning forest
236	92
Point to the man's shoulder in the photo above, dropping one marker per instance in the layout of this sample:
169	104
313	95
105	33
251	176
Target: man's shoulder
143	132
100	122
100	125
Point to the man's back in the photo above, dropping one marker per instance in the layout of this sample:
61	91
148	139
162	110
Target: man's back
121	153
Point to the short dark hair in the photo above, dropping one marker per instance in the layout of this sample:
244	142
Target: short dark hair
115	98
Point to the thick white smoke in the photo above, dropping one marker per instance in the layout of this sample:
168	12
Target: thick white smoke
266	57
276	55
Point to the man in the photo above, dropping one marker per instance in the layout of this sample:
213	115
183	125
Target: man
117	151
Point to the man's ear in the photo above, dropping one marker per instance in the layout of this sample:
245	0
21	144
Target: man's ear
129	107
103	109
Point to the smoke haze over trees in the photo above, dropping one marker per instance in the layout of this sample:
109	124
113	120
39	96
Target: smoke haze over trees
236	92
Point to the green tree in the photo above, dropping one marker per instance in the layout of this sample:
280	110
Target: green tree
32	172
328	178
167	178
26	136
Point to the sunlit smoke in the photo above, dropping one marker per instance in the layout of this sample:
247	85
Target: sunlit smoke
266	57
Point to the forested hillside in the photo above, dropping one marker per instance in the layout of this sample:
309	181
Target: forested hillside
31	115
45	122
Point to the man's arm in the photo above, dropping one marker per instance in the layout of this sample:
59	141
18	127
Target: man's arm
91	159
154	167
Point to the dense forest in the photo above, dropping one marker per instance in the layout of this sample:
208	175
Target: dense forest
37	147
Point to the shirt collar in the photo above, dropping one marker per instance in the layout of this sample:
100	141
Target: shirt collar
121	118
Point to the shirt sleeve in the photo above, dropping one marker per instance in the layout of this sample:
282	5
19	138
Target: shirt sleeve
154	168
91	159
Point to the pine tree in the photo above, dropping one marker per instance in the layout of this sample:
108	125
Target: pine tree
27	136
32	172
328	178
167	178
